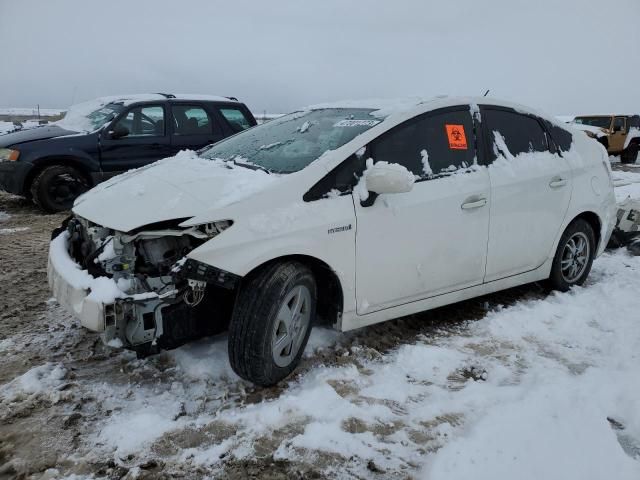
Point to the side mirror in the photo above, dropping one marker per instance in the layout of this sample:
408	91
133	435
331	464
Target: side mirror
384	177
118	131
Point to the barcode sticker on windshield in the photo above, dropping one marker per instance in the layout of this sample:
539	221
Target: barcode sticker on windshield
356	123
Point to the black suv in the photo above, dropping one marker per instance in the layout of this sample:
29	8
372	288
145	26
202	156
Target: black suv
96	140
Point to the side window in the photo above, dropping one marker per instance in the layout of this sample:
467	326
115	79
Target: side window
619	124
429	146
191	120
144	121
521	133
236	118
340	180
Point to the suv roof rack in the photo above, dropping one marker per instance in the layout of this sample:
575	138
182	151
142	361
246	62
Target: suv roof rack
166	95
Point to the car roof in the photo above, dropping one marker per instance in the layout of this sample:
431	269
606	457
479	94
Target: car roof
146	97
384	108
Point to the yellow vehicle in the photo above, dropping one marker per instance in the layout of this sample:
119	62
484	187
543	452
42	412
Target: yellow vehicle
620	134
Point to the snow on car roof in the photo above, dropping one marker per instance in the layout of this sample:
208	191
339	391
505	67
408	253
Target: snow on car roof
76	117
391	107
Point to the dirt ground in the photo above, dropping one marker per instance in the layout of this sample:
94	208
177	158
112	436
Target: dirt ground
44	432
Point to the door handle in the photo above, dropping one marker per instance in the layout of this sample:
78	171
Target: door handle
471	203
558	182
156	146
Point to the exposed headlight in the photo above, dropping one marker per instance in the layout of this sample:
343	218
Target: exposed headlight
8	155
214	228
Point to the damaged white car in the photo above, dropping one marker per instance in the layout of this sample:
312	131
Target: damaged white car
346	215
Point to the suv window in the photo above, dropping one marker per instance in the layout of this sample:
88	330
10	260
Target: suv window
431	145
521	133
147	120
236	118
619	124
191	120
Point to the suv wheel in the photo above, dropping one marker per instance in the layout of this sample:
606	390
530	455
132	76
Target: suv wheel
56	187
630	155
271	322
574	256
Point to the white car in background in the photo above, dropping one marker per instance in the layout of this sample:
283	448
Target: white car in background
347	214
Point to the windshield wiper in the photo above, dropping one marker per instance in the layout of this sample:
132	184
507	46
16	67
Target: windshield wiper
251	166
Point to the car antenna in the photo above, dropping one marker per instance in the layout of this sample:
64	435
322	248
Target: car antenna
486	93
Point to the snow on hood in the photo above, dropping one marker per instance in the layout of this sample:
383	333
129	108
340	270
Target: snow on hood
178	187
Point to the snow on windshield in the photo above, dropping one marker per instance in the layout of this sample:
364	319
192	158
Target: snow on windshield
290	143
89	116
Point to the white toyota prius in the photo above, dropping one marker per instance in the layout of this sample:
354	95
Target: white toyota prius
345	214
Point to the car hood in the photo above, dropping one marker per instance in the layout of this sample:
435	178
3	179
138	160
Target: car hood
31	134
180	187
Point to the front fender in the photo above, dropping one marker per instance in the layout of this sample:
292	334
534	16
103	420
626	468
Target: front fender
323	229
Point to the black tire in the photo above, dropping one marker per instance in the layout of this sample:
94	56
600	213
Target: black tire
254	322
558	279
630	154
56	187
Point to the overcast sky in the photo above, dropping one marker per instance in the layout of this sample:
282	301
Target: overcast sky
562	56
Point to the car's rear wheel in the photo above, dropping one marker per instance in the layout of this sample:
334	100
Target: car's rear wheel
272	319
574	256
56	187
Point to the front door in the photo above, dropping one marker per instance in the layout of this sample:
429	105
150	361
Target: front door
146	142
530	192
618	135
433	239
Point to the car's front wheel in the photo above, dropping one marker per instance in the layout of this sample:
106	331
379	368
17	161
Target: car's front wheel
272	319
56	187
574	256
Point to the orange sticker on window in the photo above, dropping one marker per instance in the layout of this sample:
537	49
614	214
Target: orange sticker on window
456	136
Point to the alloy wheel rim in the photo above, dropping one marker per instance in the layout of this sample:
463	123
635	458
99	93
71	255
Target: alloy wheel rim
575	257
291	325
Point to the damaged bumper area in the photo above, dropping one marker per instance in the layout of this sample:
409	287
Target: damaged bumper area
139	289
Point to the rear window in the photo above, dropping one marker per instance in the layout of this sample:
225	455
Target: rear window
236	118
521	133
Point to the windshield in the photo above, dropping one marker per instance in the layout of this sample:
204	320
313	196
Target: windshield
290	143
89	118
602	122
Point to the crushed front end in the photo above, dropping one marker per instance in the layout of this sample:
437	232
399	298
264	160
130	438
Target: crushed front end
138	288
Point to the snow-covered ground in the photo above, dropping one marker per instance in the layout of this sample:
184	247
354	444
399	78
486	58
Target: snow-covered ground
6	127
546	388
543	387
44	112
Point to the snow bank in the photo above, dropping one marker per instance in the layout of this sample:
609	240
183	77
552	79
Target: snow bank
4	216
627	185
41	381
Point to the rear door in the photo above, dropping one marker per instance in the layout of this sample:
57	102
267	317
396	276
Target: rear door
146	142
530	191
193	127
433	239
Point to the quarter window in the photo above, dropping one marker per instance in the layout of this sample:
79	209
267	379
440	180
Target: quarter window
144	121
521	133
191	120
236	118
429	146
